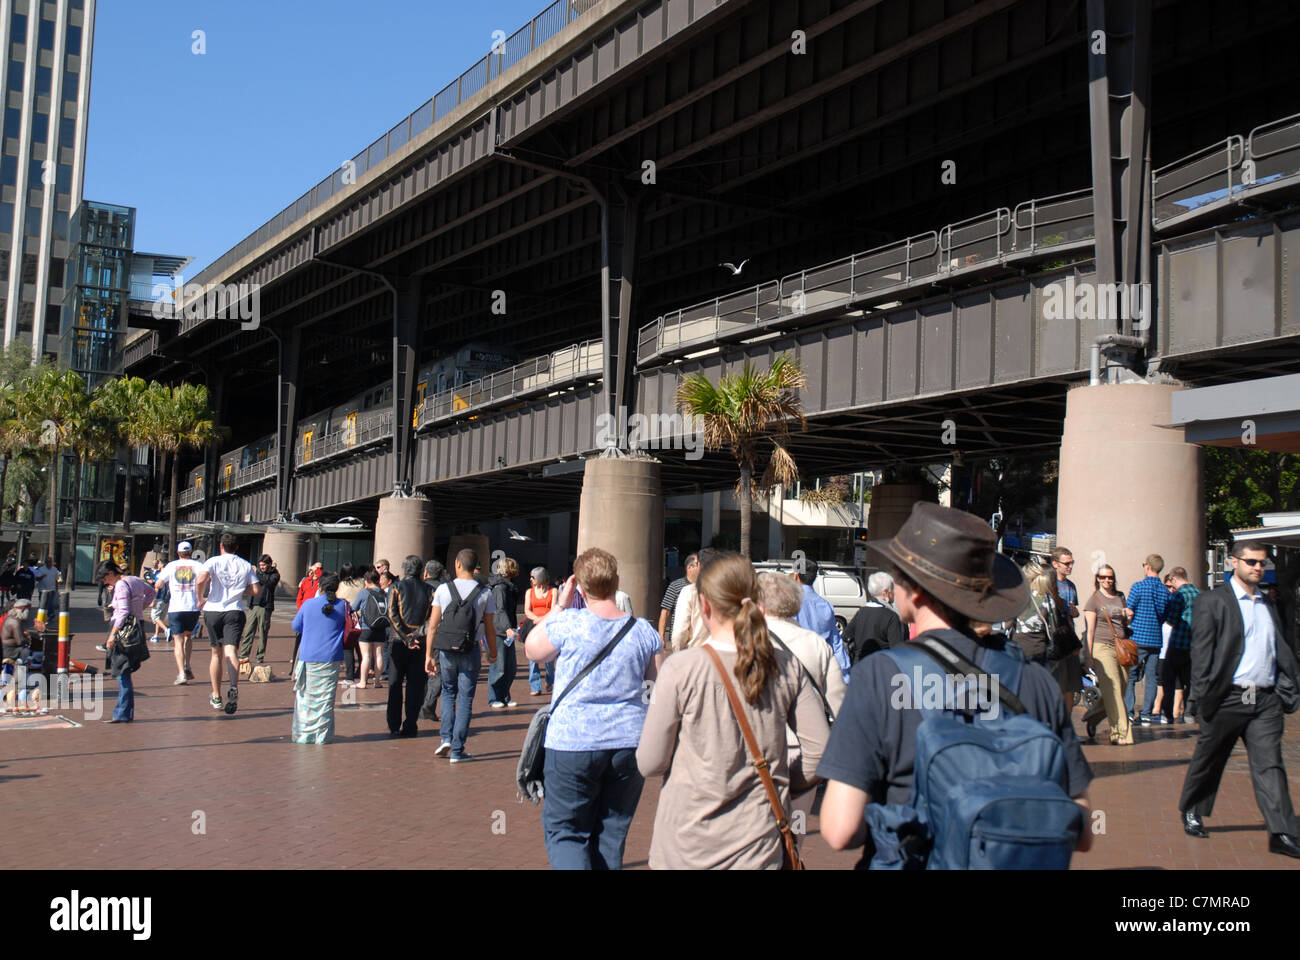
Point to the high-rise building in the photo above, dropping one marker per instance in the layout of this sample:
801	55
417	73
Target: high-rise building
45	90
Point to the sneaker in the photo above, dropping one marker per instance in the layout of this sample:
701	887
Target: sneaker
155	640
463	758
180	680
443	748
511	703
101	648
1164	719
232	699
1144	720
496	705
189	674
215	701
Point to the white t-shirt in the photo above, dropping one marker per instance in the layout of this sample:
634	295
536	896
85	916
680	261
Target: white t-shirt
485	603
181	577
230	574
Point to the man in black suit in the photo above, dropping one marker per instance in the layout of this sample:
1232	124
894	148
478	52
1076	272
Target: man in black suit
1243	680
876	626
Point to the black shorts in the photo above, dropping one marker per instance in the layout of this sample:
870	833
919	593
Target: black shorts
225	628
1176	668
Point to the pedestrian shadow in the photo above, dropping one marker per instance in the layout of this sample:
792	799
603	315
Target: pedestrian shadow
1110	768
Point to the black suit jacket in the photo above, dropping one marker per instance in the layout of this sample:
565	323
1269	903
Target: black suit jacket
874	628
1218	640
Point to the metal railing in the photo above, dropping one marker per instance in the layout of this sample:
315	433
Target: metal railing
374	427
1036	227
140	349
190	496
253	473
528	38
1211	173
539	375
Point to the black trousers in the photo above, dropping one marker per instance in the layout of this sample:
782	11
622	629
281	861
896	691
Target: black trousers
1260	725
405	664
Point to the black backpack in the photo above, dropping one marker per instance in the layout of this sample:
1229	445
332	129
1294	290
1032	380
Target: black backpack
458	629
372	610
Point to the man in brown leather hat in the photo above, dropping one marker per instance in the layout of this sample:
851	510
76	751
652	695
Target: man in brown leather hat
947	577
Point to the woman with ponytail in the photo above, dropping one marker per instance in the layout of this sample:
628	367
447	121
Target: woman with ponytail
714	811
321	621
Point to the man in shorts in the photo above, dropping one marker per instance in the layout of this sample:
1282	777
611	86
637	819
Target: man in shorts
182	577
222	584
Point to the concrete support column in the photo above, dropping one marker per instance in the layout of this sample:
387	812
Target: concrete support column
405	527
409	298
473	541
775	530
558	548
290	551
1129	486
891	504
290	374
622	511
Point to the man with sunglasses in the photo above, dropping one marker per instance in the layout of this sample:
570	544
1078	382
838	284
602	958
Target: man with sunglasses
1063	563
1243	681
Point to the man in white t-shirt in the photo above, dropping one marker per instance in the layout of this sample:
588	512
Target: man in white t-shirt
222	584
459	668
182	579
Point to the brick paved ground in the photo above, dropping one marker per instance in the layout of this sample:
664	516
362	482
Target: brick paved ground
270	803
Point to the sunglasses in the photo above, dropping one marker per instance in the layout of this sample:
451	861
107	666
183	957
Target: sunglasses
1251	563
1105	578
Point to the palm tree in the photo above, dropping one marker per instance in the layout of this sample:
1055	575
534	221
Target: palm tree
739	413
121	403
49	411
94	438
16	371
175	419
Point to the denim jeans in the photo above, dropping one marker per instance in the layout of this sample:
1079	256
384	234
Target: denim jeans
590	798
459	677
1145	670
535	676
125	709
502	673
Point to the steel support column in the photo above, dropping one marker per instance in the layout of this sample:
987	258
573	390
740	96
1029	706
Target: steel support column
216	400
620	216
287	417
1119	88
408	296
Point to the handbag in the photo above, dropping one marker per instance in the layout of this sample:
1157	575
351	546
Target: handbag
791	850
129	638
529	773
1062	641
351	630
1126	651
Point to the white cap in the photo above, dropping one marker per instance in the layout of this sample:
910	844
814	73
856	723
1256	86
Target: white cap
185	547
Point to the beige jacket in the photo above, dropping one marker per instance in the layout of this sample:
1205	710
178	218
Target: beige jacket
688	625
713	811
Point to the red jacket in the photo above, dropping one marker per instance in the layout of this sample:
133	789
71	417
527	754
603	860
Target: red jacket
308	588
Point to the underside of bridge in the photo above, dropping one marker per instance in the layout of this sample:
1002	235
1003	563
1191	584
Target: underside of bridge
776	133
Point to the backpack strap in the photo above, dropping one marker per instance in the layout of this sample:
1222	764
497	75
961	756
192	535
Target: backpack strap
826	704
930	653
605	652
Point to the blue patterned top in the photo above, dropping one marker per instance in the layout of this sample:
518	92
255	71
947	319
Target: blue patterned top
1148	599
1180	615
607	710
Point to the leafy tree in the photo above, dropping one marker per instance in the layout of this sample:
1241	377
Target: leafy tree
743	413
16	371
49	411
121	403
173	419
94	437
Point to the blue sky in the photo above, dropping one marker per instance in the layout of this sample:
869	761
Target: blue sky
208	148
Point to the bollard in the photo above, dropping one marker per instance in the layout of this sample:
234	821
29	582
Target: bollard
61	677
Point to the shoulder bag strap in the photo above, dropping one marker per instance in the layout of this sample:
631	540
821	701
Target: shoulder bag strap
826	704
1114	634
605	652
950	658
759	761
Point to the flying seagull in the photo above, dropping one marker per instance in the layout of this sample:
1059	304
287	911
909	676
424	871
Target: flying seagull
735	270
516	535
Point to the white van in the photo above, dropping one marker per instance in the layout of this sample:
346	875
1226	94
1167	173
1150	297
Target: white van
839	586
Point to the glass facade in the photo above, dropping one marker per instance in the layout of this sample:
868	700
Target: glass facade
44	94
98	285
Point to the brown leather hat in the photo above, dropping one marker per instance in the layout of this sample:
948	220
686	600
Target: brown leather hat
953	556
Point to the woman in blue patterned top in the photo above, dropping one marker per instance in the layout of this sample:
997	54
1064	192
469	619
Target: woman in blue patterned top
592	781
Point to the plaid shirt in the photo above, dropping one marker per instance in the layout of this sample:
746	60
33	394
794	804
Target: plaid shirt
1179	615
1148	599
